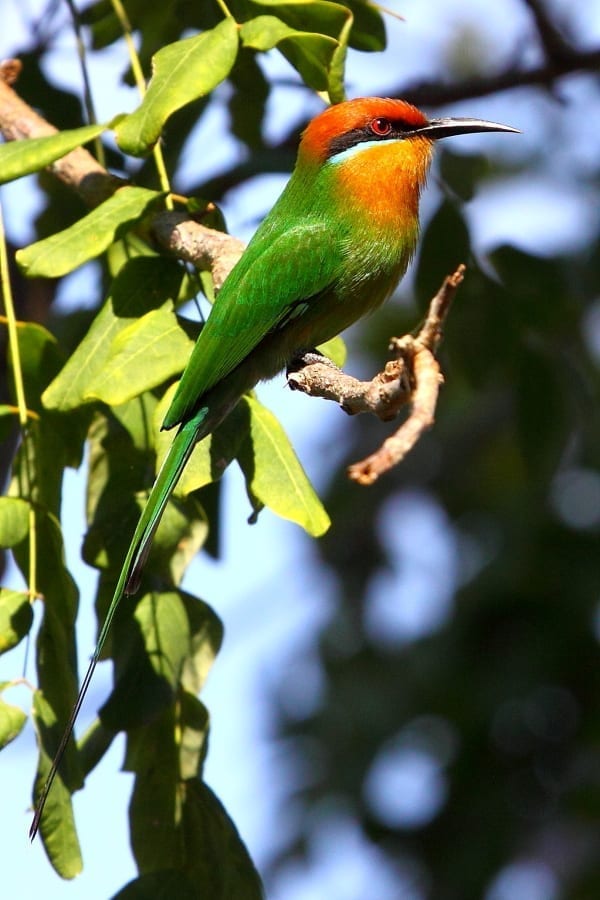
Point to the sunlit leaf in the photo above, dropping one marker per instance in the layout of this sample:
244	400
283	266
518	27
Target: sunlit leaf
182	72
18	158
90	236
12	721
212	455
14	521
173	638
335	350
142	356
274	475
16	617
143	284
309	53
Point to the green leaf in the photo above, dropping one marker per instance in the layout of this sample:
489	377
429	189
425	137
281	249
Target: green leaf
90	236
368	27
218	859
14	521
335	350
317	16
173	638
182	72
121	462
57	826
155	807
162	885
16	617
55	646
194	722
12	720
274	475
40	358
182	532
212	455
309	53
337	66
180	824
18	158
141	356
247	105
143	284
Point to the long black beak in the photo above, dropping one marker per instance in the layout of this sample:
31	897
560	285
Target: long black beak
441	128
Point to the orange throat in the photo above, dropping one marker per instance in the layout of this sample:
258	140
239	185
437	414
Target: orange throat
386	179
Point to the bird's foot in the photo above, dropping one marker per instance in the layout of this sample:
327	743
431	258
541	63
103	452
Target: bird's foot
310	358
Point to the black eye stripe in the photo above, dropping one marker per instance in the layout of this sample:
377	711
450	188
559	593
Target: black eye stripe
341	142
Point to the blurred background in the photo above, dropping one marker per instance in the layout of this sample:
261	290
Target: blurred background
409	707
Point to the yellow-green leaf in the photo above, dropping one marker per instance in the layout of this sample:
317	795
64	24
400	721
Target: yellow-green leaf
182	72
142	284
311	54
14	521
274	474
12	720
142	356
16	617
212	455
335	350
90	236
18	158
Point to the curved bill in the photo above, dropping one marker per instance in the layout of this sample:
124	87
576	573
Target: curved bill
441	128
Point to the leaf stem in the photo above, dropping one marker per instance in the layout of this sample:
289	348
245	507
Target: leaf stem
11	322
13	342
224	9
88	99
138	74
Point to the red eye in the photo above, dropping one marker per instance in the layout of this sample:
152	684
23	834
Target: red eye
381	127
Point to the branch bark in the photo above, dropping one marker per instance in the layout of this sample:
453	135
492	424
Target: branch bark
412	379
176	232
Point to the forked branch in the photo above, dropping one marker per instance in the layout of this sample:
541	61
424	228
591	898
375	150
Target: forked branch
412	379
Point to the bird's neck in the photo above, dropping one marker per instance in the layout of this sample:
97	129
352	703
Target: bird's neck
384	183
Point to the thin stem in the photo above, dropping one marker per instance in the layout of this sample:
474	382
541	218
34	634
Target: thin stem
13	341
388	12
223	7
138	74
11	320
88	99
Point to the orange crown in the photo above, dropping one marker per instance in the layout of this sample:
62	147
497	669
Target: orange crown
344	117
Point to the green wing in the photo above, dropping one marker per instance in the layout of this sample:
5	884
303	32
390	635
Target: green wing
274	273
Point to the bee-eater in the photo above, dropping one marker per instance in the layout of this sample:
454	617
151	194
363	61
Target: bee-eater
333	248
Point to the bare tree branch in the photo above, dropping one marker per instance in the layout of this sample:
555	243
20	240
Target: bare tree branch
176	232
78	169
562	58
412	378
207	249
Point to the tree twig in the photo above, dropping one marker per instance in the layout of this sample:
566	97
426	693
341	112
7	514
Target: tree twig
176	232
412	378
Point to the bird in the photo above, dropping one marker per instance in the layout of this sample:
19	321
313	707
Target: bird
332	249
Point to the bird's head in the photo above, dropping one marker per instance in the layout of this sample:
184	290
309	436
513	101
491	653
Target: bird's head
380	149
357	126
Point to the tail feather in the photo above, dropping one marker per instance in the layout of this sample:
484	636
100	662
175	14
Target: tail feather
129	578
216	404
